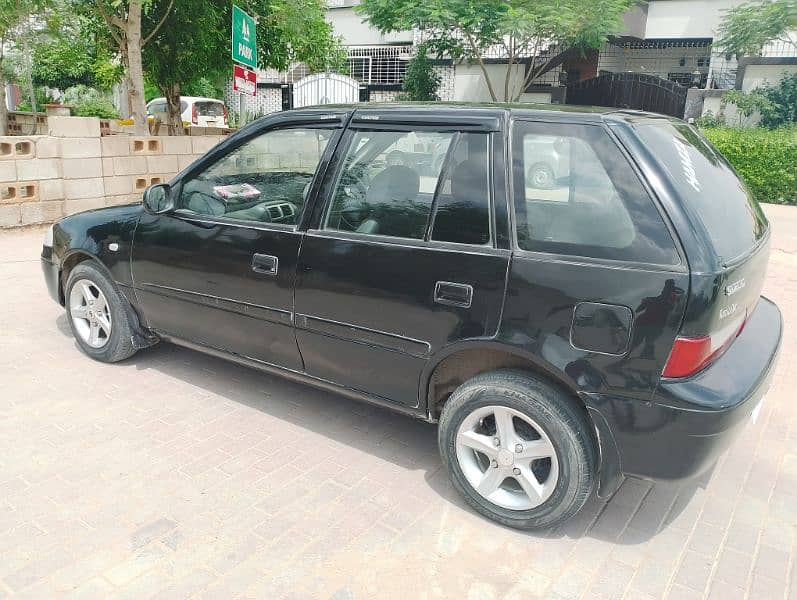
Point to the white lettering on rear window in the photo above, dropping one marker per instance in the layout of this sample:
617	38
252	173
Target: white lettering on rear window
686	164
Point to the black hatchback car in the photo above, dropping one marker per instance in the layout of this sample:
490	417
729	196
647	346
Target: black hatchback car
572	294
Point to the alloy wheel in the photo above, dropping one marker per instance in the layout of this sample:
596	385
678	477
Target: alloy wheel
507	457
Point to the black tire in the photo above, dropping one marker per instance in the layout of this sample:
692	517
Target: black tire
541	176
562	420
119	344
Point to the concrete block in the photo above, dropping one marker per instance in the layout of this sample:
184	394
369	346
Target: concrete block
142	183
202	144
107	167
118	184
81	148
19	191
42	212
48	147
115	145
129	165
178	144
16	148
81	168
145	145
184	160
83	188
39	168
8	170
123	199
162	164
79	205
74	126
51	189
10	215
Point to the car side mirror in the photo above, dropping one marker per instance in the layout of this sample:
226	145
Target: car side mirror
158	198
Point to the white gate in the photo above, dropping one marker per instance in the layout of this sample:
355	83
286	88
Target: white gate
325	88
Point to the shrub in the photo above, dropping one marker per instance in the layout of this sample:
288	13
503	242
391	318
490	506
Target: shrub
88	102
782	103
420	81
765	158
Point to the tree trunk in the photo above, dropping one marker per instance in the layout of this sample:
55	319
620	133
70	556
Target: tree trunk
3	109
135	71
29	76
174	114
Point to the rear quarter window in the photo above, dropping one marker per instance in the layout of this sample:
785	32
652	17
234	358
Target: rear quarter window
576	194
707	185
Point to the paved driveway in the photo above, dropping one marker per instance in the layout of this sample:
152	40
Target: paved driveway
179	475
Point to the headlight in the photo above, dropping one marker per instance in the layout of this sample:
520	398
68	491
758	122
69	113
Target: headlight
48	237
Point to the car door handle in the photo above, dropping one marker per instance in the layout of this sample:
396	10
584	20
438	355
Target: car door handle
265	263
453	294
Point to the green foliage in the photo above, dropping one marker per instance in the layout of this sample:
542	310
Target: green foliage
782	103
765	159
747	28
203	87
468	29
421	81
708	120
746	103
61	63
42	98
89	102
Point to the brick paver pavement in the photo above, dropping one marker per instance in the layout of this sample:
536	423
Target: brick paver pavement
180	475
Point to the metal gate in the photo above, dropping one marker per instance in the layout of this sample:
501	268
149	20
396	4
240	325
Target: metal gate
630	90
325	88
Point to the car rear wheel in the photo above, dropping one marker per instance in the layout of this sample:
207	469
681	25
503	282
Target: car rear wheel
519	450
98	315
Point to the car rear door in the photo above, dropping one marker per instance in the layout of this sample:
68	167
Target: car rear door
219	270
403	258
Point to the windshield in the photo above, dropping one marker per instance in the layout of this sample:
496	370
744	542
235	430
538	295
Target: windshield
704	179
210	109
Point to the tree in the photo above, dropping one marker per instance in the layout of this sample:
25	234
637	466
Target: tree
746	104
73	51
782	103
747	28
532	33
420	80
194	42
123	20
20	21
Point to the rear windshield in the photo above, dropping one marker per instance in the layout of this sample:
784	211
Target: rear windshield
210	109
732	218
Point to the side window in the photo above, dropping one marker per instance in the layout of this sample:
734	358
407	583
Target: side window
264	180
575	194
408	184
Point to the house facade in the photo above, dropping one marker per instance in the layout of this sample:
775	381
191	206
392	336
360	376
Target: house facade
671	40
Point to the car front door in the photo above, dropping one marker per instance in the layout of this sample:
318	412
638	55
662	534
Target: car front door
401	260
219	269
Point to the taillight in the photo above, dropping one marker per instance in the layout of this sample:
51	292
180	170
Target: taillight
692	354
194	115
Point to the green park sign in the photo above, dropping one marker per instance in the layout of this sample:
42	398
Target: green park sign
244	44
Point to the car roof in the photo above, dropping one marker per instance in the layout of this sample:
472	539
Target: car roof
556	111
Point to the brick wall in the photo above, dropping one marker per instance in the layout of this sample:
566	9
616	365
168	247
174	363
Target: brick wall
45	177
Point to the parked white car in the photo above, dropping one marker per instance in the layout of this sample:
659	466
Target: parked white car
199	112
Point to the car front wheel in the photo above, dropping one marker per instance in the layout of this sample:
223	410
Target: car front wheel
519	450
98	315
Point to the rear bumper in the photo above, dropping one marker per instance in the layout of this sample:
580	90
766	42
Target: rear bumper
690	422
50	272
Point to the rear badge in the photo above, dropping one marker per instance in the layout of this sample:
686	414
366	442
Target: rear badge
734	287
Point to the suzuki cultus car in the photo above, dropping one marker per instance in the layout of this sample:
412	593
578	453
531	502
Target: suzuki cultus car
563	329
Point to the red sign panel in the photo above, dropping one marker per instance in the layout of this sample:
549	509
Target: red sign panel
244	80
